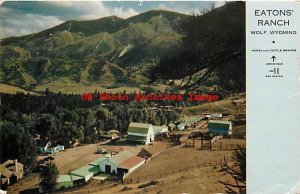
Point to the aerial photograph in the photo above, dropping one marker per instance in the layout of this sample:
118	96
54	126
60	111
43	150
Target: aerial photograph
122	97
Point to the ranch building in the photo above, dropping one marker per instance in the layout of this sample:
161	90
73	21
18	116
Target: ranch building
140	133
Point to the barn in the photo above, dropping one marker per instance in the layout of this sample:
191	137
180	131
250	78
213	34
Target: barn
109	164
124	161
220	127
130	165
141	133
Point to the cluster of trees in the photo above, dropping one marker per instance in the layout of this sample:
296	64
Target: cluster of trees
16	142
48	102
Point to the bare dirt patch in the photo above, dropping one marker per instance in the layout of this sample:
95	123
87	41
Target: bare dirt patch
228	144
74	158
180	158
195	180
28	182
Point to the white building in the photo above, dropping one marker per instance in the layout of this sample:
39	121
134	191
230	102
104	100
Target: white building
141	133
181	126
160	129
123	162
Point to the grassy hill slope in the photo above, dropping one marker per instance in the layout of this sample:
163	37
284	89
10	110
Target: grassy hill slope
109	52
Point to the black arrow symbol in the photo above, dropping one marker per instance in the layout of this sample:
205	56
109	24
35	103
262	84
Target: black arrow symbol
273	58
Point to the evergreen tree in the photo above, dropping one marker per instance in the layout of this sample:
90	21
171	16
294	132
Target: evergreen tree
163	119
48	178
16	143
237	172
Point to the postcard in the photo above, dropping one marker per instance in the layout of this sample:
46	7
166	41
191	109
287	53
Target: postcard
193	97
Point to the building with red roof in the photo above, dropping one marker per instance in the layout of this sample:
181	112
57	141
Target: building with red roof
131	164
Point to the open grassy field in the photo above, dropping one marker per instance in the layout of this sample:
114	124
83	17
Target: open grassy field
230	105
4	88
68	87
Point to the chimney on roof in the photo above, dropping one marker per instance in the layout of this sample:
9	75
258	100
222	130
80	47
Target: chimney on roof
16	165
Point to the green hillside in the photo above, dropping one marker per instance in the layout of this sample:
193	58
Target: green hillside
109	52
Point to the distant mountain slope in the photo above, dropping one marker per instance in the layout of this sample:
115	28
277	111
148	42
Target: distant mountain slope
109	24
85	28
110	52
